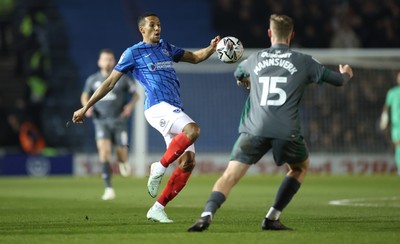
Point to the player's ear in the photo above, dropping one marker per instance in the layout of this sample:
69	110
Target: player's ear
141	29
290	38
98	62
269	33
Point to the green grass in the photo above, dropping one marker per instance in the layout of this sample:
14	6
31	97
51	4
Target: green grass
69	210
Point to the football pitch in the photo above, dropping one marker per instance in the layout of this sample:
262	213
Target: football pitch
327	209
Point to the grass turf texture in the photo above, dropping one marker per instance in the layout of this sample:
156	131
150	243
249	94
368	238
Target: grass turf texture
69	210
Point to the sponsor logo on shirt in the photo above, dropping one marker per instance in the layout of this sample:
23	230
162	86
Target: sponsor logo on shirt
160	65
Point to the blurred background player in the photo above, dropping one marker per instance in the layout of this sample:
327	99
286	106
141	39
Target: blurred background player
110	116
391	114
278	77
151	60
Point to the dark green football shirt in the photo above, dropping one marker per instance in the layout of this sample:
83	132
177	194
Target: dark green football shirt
112	104
278	77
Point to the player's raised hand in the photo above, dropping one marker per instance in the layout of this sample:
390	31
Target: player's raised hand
244	82
215	41
346	69
78	116
126	111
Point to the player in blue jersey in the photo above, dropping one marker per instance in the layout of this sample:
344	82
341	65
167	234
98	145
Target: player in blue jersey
110	116
276	77
151	62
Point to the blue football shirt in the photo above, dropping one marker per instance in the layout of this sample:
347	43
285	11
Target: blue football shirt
152	66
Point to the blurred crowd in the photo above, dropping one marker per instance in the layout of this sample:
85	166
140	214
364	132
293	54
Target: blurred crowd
335	119
346	119
23	41
318	23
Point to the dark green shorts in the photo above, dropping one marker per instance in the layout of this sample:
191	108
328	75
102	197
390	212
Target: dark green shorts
250	149
112	129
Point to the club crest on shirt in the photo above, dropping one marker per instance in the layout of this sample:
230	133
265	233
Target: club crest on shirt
165	51
162	122
151	66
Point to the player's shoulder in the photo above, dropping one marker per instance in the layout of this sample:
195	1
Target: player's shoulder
95	76
135	47
167	45
257	55
164	42
394	90
137	44
133	50
302	55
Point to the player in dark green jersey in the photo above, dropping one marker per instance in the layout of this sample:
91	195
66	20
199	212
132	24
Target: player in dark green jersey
110	116
277	78
391	113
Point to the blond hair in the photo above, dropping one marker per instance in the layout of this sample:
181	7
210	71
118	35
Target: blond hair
281	25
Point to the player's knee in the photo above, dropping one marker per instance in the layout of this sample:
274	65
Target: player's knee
229	179
104	156
187	164
299	169
192	131
306	164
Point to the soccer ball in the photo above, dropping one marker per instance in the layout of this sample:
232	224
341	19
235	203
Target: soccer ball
229	49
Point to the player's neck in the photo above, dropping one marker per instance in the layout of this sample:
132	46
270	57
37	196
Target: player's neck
279	43
105	73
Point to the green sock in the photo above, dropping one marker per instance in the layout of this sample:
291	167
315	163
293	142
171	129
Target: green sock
286	191
214	202
106	173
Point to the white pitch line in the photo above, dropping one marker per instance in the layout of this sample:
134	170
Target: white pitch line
368	202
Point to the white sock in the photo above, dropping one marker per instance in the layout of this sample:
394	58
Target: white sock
273	214
158	205
204	214
159	168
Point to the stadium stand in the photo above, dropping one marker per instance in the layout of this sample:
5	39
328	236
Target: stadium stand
74	33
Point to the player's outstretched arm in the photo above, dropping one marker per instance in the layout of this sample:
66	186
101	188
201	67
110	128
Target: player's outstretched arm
384	119
201	54
102	90
346	69
242	76
338	78
127	110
